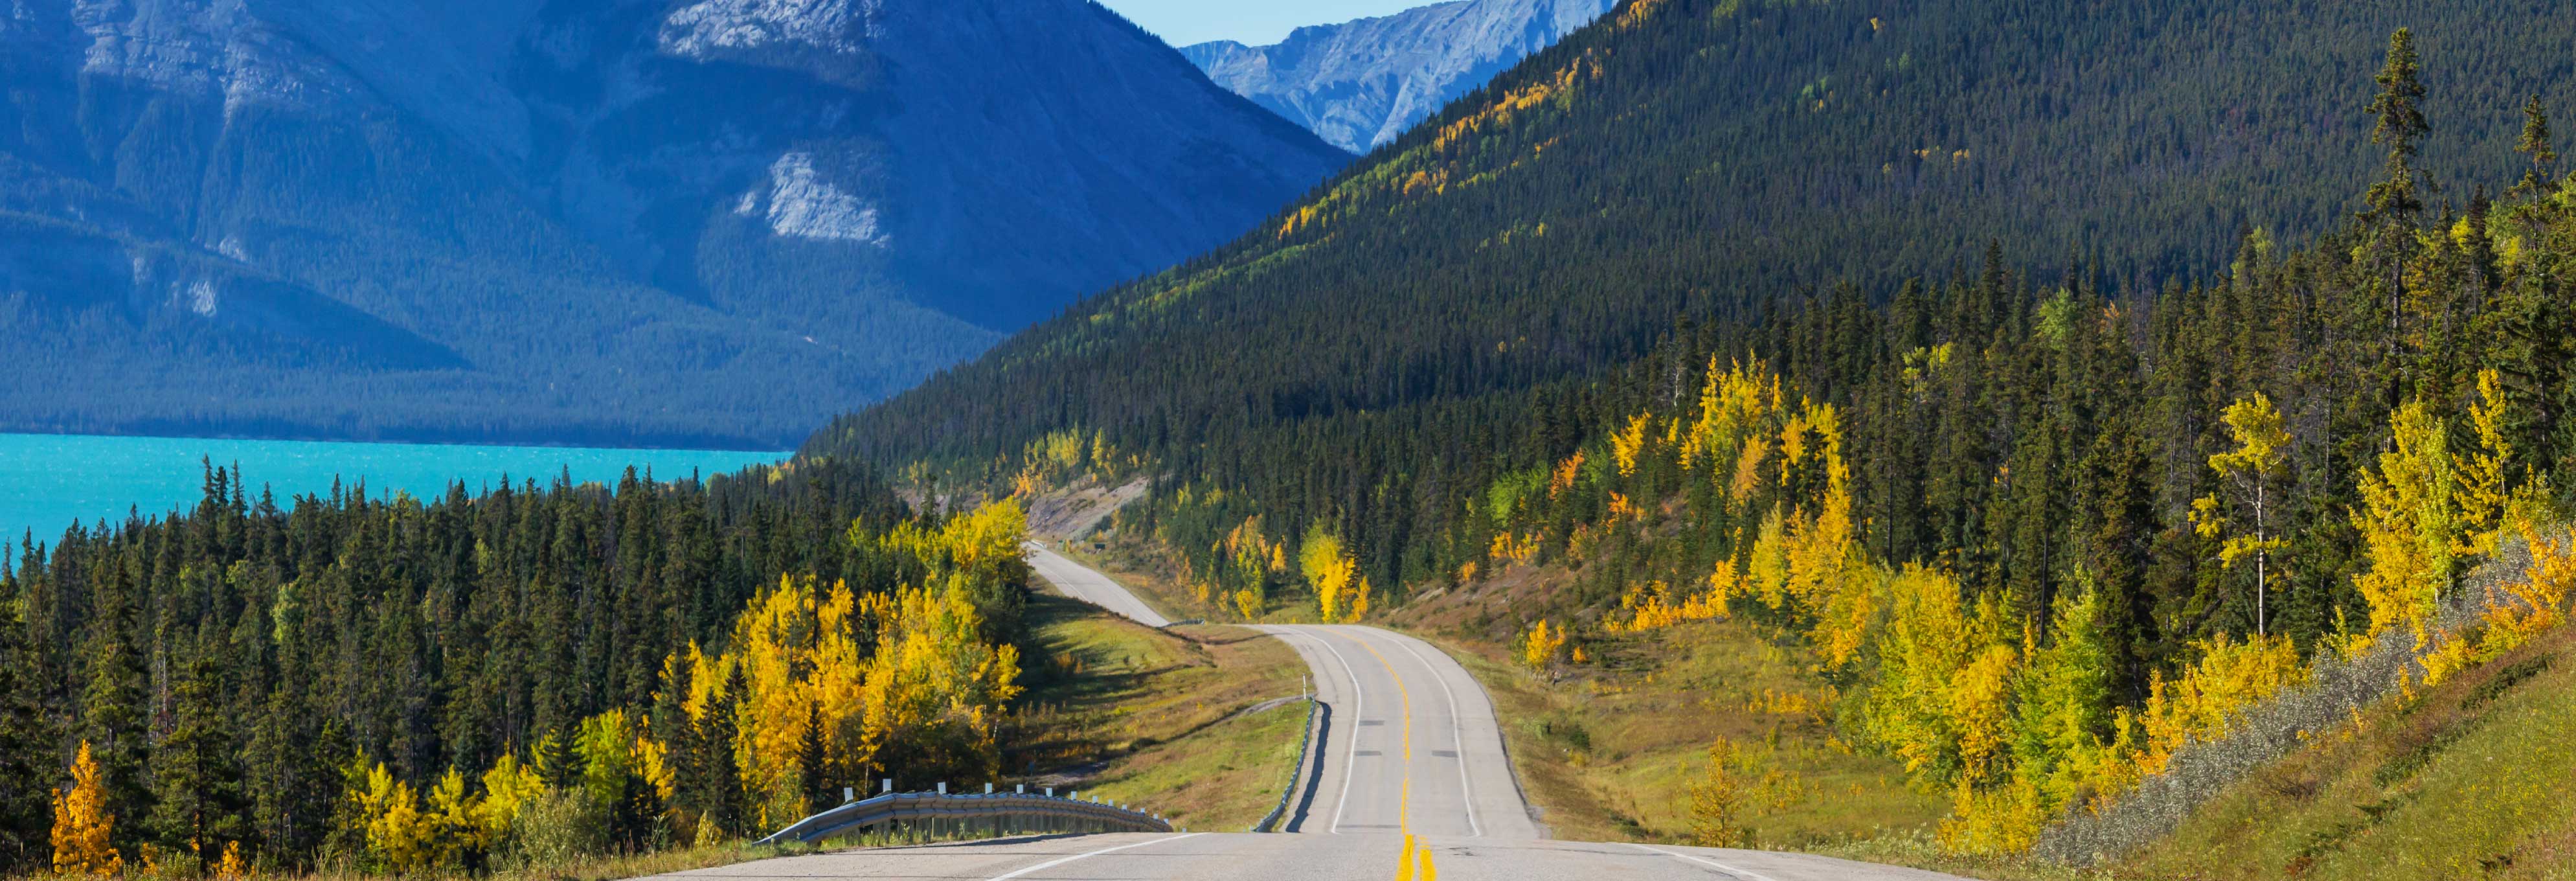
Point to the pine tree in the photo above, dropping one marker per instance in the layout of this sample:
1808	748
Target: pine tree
113	706
2535	144
27	754
2395	201
197	773
291	777
721	771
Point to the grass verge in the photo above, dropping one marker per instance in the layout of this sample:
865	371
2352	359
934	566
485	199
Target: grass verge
1609	752
2475	779
1159	718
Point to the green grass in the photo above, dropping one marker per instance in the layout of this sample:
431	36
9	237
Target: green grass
1609	752
1156	717
2475	779
1222	779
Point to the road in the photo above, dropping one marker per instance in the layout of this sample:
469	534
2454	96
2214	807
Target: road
1081	583
1409	752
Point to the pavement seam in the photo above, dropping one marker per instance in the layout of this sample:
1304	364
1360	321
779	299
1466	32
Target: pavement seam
1054	863
1722	867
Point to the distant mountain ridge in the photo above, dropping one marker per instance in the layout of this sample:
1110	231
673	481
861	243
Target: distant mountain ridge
1362	83
614	221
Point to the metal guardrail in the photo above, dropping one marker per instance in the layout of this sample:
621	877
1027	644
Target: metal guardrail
994	812
1305	745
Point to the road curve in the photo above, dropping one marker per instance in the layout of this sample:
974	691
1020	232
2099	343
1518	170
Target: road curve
1409	746
1081	583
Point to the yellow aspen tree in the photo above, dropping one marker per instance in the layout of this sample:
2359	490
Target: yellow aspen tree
232	867
1328	570
82	825
1628	442
508	788
2409	522
2250	470
1540	648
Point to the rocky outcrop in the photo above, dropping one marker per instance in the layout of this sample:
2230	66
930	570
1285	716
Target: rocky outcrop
1361	83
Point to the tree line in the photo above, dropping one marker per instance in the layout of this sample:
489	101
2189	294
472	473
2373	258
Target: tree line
381	682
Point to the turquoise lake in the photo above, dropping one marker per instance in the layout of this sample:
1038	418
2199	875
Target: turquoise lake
49	481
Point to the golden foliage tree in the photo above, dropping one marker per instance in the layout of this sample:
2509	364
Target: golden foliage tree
2428	510
1540	648
1720	800
2250	470
82	825
1328	569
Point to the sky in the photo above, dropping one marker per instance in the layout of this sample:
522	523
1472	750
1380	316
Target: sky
1254	22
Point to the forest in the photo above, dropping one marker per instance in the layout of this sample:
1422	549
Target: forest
363	682
2036	530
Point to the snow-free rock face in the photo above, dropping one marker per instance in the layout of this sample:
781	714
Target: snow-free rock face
707	200
1361	83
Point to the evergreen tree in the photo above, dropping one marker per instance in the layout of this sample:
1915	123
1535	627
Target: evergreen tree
112	719
27	758
292	777
197	774
2535	144
720	771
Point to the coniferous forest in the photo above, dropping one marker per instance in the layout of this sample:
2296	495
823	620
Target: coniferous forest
396	684
1719	309
2039	527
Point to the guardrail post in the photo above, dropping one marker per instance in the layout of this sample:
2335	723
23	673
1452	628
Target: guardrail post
943	788
988	789
887	786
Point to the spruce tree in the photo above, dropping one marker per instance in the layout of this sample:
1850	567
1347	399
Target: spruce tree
720	772
2535	144
292	778
112	716
196	772
27	760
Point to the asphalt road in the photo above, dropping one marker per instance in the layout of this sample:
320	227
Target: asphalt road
1080	582
1409	756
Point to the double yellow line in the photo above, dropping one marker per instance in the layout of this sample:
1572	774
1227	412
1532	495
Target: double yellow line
1415	863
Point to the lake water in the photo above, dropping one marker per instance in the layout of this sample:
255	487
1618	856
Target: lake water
49	481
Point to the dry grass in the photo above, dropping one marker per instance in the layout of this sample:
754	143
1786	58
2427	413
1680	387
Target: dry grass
597	868
1608	754
1135	714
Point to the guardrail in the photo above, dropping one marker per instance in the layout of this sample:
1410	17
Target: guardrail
992	812
1305	744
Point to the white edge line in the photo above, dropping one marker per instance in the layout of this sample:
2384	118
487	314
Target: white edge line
1456	741
1359	709
1722	867
1054	863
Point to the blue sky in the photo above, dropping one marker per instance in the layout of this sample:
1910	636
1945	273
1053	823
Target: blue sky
1257	22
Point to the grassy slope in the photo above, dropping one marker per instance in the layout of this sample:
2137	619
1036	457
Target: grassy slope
1134	714
2474	779
1609	753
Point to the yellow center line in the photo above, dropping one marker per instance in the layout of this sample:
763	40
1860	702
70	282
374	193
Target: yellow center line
1408	867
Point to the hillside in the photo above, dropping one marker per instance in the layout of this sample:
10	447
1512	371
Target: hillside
1718	161
1360	84
1573	364
589	221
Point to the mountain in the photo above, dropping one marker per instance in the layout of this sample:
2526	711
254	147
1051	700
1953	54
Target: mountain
1719	161
623	221
1362	83
2039	390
